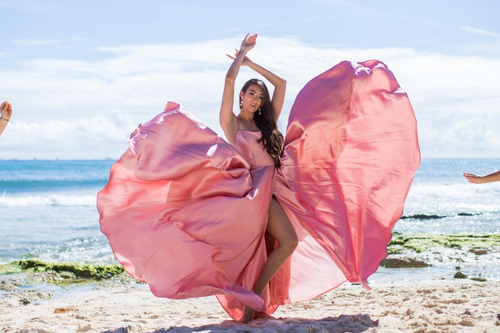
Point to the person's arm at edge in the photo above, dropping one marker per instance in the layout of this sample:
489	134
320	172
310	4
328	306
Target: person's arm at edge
6	113
492	177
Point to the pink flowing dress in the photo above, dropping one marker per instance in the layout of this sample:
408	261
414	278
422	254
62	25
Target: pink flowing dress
186	212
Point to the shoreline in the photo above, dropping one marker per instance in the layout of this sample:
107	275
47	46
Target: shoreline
417	256
78	297
423	306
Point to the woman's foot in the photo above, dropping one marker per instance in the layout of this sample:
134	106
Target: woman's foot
262	315
248	313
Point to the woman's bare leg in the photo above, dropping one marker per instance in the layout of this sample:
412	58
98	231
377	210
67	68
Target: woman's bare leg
281	229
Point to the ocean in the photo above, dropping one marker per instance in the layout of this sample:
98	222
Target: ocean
48	212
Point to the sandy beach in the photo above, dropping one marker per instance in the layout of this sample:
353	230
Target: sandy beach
427	306
58	273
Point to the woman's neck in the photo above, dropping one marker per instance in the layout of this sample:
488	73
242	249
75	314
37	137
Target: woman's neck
247	122
246	116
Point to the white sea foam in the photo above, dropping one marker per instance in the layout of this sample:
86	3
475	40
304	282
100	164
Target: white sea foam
451	199
84	250
48	199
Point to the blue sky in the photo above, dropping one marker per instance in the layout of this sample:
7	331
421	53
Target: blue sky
81	75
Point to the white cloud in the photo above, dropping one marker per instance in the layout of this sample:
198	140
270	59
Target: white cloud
36	42
85	138
481	32
67	108
45	42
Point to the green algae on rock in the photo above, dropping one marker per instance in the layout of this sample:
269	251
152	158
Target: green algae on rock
9	269
70	270
421	242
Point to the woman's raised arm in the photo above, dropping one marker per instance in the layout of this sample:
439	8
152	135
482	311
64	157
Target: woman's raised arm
227	119
279	84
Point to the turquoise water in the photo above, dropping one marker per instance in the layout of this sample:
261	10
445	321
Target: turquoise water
48	211
442	201
48	207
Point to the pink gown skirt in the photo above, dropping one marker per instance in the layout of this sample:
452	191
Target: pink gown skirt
186	212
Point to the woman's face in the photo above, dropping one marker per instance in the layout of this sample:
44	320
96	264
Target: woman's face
253	98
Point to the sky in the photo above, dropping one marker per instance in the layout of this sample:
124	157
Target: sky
82	75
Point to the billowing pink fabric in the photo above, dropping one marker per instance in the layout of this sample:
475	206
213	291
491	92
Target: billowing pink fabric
351	151
186	212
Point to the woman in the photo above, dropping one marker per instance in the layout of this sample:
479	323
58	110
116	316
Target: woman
259	115
193	215
187	212
6	112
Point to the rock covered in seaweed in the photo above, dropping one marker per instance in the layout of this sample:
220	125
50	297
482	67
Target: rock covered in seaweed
403	262
70	270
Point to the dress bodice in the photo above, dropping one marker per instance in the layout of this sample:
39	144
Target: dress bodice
247	142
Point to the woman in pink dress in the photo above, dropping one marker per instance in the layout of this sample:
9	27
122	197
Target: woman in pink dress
257	119
256	225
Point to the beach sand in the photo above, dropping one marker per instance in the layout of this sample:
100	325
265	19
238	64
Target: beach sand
458	305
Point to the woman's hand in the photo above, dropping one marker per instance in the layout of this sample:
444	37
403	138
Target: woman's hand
246	60
248	43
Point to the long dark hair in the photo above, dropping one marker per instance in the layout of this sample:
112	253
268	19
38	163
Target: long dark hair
272	139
